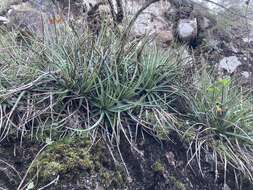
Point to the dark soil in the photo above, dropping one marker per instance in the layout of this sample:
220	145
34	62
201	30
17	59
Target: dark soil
158	166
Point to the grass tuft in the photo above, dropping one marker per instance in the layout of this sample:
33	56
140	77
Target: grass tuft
220	126
71	84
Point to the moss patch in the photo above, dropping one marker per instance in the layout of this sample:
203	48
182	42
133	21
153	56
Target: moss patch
177	183
75	162
158	167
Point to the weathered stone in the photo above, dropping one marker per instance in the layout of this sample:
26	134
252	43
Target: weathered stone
246	74
5	4
229	64
248	38
24	16
3	20
187	29
151	20
164	37
205	23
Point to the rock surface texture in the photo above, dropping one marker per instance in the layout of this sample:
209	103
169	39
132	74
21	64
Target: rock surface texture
187	29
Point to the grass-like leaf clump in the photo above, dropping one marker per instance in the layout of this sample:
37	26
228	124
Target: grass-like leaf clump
70	83
220	125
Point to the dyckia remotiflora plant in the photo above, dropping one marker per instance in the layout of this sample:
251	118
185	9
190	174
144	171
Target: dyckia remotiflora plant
70	83
220	125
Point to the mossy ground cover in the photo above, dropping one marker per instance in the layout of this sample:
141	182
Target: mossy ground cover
75	164
74	161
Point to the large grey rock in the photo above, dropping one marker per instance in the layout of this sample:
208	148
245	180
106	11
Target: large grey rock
187	29
24	15
151	20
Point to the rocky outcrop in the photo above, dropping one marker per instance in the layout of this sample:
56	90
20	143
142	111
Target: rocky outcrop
24	15
33	15
152	20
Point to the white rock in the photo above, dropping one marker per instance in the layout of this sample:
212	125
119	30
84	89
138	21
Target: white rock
249	37
26	6
206	23
187	29
186	58
4	20
229	64
245	74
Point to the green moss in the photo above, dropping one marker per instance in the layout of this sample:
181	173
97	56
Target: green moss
69	158
61	157
158	167
177	183
115	178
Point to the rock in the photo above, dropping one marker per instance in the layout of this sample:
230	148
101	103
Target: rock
24	16
37	17
187	29
180	3
205	23
164	37
4	20
184	8
171	158
229	64
245	74
213	44
248	38
5	5
22	6
186	57
151	21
